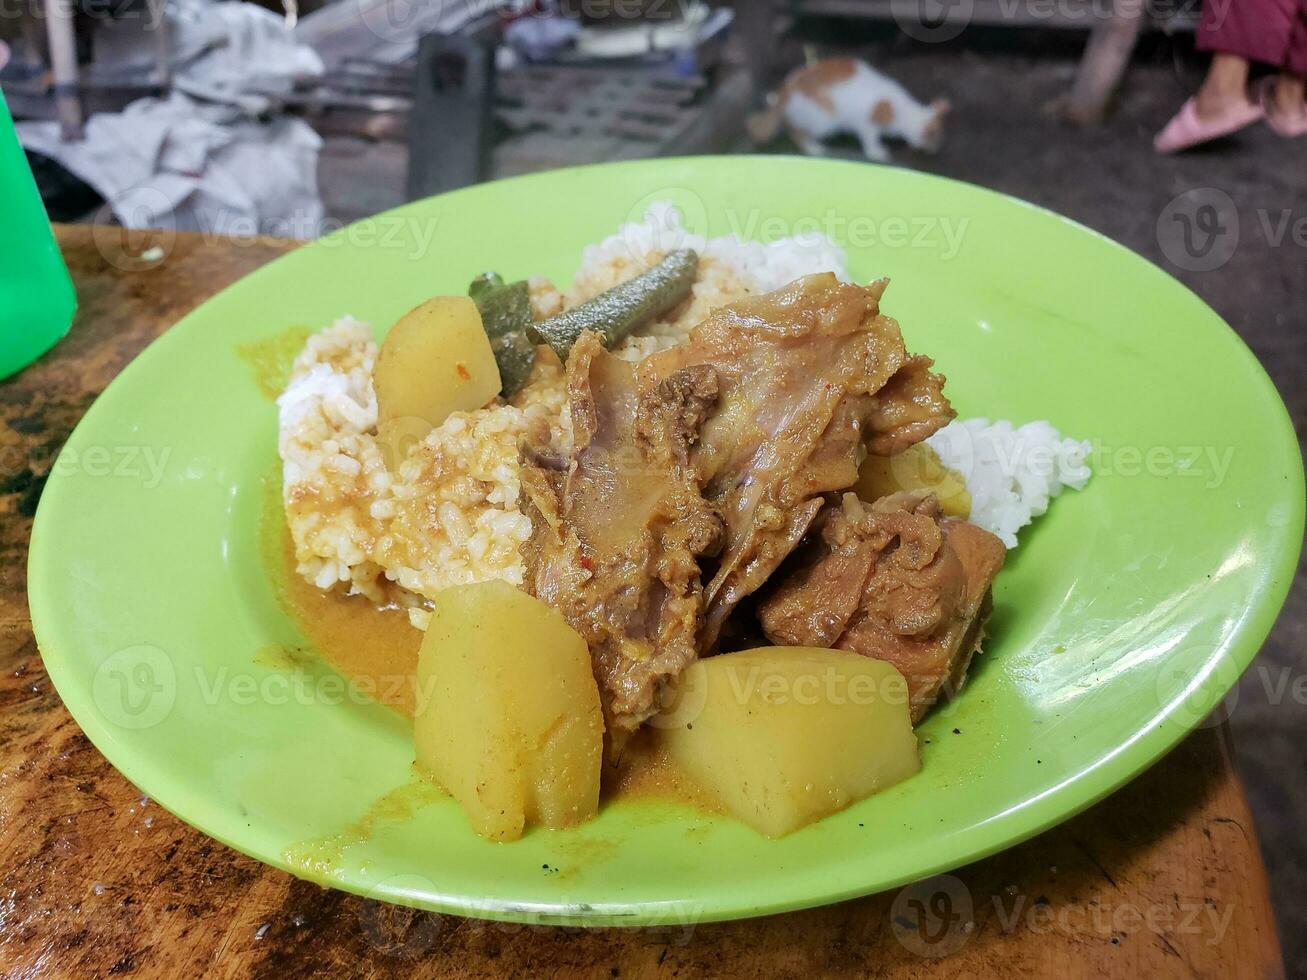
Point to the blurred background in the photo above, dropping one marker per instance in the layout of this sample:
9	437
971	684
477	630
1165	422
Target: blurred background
291	117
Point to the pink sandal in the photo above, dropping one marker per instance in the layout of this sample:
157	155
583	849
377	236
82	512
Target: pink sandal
1285	127
1186	129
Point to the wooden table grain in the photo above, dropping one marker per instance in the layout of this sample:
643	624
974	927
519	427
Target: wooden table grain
1163	879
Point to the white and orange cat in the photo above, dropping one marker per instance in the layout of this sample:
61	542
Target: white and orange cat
844	95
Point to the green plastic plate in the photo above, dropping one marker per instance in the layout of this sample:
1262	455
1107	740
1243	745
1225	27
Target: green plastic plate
1121	620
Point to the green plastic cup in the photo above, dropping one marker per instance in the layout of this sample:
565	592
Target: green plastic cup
37	301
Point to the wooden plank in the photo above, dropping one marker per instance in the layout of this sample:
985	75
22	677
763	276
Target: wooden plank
1163	879
1103	64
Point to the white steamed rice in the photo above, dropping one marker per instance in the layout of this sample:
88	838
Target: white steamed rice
766	266
1011	473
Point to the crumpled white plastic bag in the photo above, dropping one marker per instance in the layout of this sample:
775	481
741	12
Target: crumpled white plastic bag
206	158
181	164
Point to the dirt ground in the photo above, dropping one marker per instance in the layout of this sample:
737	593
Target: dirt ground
1000	136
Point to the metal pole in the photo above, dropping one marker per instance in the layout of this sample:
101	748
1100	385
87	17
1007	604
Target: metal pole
162	59
451	122
63	62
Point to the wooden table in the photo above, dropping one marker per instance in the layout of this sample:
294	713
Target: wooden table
1164	879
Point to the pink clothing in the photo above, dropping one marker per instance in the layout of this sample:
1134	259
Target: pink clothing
1270	31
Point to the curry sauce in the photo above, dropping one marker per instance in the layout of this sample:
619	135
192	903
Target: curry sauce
376	651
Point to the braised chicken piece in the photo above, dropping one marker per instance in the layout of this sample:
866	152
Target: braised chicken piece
619	531
697	471
893	580
802	371
909	409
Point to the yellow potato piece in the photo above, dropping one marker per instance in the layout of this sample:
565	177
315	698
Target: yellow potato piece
916	468
507	714
783	736
436	360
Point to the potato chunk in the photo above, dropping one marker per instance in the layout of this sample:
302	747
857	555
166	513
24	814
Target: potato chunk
435	360
916	468
507	716
783	736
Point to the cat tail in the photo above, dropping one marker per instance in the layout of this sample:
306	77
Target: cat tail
763	126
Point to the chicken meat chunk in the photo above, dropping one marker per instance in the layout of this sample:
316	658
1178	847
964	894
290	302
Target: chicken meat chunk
620	527
894	580
806	374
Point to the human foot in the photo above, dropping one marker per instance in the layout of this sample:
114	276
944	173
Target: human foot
1190	126
1212	107
1282	101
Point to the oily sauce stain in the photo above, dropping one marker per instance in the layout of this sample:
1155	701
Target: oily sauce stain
321	858
270	360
